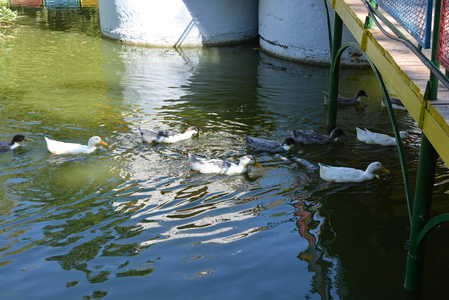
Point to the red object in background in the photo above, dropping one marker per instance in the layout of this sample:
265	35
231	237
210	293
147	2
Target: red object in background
443	43
26	2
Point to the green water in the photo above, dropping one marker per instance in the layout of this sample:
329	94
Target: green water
131	220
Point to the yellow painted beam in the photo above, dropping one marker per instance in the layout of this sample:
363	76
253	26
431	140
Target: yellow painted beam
437	131
434	126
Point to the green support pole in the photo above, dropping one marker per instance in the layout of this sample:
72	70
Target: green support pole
369	22
421	215
425	181
329	29
406	177
405	174
335	74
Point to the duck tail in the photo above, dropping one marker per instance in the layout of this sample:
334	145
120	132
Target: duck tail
47	140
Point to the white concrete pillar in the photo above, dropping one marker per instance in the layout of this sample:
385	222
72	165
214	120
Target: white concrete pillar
297	30
179	23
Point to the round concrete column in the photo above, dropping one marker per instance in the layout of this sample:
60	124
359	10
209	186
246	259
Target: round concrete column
297	30
179	23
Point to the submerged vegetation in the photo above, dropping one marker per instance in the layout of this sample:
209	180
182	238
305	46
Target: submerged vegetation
7	15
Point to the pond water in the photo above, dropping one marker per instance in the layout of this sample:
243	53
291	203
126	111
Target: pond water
132	221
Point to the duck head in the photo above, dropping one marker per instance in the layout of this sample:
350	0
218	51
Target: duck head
18	138
287	143
95	140
193	130
361	93
404	135
337	132
249	160
376	167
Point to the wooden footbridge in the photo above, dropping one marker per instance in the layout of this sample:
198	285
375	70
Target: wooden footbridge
411	59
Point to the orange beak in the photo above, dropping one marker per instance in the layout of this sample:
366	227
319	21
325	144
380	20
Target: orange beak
384	170
103	143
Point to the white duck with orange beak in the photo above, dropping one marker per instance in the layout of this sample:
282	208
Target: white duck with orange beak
58	148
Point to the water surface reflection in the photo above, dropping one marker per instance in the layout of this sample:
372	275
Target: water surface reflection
131	218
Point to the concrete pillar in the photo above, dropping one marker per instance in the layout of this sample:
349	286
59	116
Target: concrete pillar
179	23
297	30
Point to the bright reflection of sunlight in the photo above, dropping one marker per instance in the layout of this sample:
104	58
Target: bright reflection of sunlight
146	68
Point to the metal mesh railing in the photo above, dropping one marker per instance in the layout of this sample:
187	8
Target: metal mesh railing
443	45
414	15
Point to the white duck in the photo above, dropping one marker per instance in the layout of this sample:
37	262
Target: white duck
163	136
219	166
58	148
369	137
343	174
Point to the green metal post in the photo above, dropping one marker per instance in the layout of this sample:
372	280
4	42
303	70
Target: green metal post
402	159
421	215
369	22
329	29
335	74
425	180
